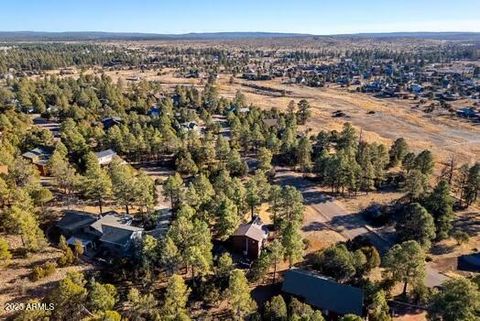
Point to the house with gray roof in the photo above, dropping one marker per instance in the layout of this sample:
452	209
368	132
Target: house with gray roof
39	157
105	157
74	221
111	232
333	298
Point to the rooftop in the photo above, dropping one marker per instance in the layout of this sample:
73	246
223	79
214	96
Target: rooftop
322	292
253	230
73	220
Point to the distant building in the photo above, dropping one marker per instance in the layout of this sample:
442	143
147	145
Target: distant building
270	122
189	126
105	157
109	122
154	112
468	112
132	78
334	299
39	157
249	238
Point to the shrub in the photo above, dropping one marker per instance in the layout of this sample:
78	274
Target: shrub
37	273
49	268
461	237
40	272
67	258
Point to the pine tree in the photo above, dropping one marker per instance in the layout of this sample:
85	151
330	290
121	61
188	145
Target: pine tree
276	309
172	189
405	263
440	205
176	299
241	304
96	182
102	297
265	159
292	243
169	255
417	224
458	300
25	224
69	297
397	152
304	111
378	309
276	255
228	218
123	182
416	184
304	154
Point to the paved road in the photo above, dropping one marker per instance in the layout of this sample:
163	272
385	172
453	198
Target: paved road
334	216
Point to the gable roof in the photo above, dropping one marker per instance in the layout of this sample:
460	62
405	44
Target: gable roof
118	234
109	122
270	122
253	230
75	220
106	153
322	292
105	157
40	155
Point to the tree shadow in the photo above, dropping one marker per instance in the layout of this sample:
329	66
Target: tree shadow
316	197
263	293
439	249
349	222
469	223
314	227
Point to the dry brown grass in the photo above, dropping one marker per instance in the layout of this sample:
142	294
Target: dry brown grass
412	317
15	283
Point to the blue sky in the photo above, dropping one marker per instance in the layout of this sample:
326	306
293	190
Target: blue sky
183	16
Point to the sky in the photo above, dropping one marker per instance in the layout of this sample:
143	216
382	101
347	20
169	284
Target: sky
184	16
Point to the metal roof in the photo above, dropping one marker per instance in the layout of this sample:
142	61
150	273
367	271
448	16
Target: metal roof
118	234
251	230
75	220
322	292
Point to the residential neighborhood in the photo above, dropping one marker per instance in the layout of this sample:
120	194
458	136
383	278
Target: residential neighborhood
186	170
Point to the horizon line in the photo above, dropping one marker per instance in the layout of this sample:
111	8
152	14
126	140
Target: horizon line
233	32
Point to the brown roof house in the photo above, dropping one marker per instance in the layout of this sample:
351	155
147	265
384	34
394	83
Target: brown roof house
249	238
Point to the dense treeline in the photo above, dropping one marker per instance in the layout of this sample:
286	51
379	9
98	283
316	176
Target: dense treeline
37	57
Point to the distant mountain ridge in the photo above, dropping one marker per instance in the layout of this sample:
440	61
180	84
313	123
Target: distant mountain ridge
99	35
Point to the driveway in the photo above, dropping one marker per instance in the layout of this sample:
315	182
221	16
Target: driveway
333	215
